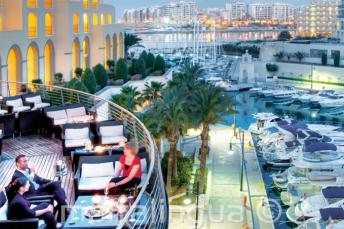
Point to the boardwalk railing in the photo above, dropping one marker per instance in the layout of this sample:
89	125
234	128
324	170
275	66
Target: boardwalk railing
151	212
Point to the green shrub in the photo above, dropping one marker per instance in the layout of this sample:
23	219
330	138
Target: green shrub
184	166
150	61
58	77
101	75
271	68
140	67
78	72
122	70
77	85
159	64
111	65
143	56
336	59
324	59
89	80
37	81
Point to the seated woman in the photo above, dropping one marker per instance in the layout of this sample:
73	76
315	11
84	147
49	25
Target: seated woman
19	207
129	167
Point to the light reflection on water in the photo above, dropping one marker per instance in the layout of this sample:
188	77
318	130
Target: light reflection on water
249	105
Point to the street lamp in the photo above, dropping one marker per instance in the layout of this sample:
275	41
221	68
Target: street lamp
188	201
242	146
312	71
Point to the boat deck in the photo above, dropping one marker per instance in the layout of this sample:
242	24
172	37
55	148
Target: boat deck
42	153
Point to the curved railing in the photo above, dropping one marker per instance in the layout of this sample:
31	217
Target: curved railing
150	209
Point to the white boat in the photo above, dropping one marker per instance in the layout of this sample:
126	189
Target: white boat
305	98
316	223
264	121
284	94
331	103
309	207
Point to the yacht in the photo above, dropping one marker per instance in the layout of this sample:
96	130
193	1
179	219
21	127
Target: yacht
319	223
294	192
284	94
331	103
309	207
264	121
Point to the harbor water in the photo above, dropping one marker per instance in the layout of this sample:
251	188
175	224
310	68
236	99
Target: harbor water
249	105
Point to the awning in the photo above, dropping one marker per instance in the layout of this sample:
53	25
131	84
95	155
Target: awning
333	213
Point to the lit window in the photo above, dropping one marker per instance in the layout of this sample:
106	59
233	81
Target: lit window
0	23
32	25
109	19
48	24
48	4
85	4
85	23
32	3
95	19
102	20
95	4
75	23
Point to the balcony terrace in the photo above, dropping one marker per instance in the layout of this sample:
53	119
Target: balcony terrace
149	208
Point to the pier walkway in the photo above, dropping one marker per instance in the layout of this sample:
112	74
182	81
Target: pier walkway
224	207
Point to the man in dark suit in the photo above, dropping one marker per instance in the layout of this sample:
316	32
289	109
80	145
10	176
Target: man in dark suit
38	185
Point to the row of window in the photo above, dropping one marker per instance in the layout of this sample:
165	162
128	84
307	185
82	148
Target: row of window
48	20
49	4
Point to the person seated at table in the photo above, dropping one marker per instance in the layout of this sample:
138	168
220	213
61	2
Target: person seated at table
130	168
19	208
40	186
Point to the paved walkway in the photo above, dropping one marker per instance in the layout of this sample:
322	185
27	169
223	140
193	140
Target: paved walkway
223	206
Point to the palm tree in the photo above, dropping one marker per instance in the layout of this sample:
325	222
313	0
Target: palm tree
279	55
168	116
209	105
129	98
153	91
188	78
299	56
130	40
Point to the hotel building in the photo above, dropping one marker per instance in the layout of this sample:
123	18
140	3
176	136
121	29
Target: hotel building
318	18
340	22
42	37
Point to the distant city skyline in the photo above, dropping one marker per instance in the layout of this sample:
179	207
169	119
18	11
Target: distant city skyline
122	5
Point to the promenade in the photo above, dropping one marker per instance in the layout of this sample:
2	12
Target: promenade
223	206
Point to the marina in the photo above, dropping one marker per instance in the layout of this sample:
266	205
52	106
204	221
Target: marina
299	148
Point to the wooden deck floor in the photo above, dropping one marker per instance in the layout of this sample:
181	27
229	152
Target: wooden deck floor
42	153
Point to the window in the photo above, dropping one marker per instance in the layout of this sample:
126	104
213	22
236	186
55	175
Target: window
48	24
85	17
32	25
109	19
86	4
95	4
32	3
95	19
48	4
102	22
0	23
75	23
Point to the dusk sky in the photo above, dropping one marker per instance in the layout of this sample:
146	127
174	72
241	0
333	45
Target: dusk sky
121	5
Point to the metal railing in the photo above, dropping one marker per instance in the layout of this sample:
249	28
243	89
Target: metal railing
150	208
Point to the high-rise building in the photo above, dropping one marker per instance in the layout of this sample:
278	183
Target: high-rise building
340	21
318	18
260	11
40	38
182	12
236	10
283	12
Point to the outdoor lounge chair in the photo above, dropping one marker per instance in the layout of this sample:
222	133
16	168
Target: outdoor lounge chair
16	104
37	100
75	136
111	132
